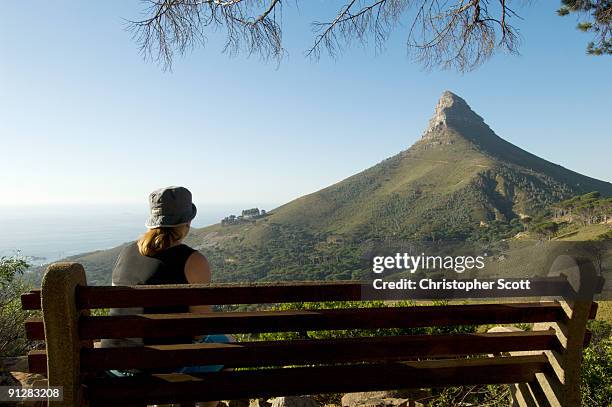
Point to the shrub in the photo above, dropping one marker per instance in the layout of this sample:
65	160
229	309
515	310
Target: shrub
597	366
12	284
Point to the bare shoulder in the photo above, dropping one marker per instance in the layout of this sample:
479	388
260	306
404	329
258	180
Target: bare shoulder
197	269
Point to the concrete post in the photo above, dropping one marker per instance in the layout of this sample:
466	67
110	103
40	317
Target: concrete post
584	287
561	387
61	317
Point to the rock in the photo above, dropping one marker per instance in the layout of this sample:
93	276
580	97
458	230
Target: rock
451	109
25	379
234	403
355	399
394	398
259	403
14	372
6	378
238	403
294	401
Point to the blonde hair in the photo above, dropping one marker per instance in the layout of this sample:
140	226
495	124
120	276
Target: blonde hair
156	240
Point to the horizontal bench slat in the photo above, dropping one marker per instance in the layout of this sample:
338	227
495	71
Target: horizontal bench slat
203	294
309	380
31	300
219	294
187	324
37	361
296	352
257	293
35	329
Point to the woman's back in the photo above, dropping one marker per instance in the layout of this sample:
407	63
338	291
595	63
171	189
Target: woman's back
165	267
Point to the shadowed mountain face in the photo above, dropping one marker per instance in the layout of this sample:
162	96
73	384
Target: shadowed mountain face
457	177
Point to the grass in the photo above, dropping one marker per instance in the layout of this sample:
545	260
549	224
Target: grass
583	233
604	311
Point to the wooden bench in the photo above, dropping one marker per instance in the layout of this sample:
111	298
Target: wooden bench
543	363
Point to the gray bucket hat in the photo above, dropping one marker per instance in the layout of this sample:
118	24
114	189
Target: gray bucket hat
170	206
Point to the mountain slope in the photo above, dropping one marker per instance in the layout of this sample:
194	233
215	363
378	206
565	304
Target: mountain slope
459	174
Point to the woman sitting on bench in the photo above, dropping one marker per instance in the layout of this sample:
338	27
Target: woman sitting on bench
160	257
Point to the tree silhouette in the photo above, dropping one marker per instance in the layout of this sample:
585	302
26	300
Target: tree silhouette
596	18
459	35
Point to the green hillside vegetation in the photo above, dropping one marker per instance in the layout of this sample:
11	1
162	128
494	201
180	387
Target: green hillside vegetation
586	209
98	265
580	218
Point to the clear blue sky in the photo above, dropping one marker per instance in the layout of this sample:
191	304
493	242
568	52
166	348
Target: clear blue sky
83	119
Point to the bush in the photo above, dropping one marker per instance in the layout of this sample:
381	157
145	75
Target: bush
12	284
604	236
597	366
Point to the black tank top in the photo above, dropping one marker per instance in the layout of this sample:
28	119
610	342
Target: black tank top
132	268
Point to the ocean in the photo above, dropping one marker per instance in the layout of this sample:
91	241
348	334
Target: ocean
44	234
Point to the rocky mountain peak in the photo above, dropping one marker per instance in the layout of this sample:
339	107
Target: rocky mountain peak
451	110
